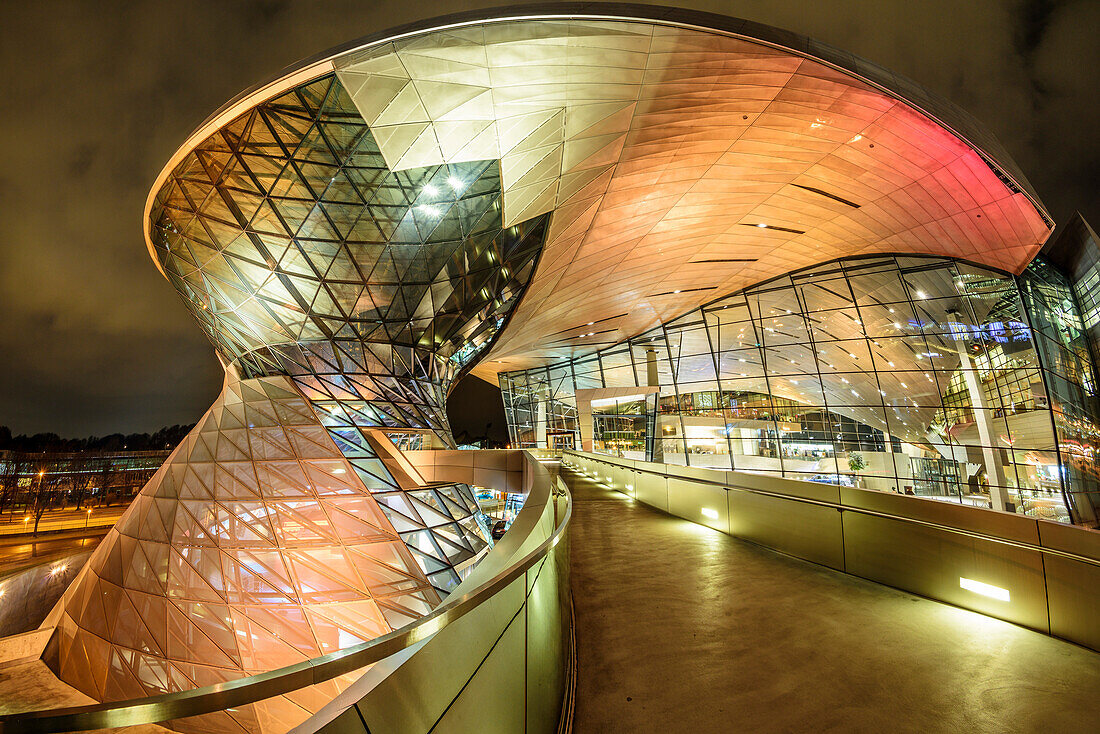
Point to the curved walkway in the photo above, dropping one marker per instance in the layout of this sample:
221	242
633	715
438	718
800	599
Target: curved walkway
681	628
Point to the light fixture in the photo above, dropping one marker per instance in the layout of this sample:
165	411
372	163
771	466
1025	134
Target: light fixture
762	225
430	190
455	183
994	592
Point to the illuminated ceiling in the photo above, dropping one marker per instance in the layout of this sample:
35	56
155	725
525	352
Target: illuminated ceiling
679	163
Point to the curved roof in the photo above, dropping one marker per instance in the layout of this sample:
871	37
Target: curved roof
683	155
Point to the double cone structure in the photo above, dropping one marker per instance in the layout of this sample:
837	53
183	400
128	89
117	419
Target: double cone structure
353	236
343	298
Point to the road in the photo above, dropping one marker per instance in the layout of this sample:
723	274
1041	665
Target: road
20	552
100	517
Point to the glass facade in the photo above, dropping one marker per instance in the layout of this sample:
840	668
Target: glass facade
300	252
917	375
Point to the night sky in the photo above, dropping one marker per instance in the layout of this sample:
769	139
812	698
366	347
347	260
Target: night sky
97	96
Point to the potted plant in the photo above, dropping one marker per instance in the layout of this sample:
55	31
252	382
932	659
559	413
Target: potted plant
856	464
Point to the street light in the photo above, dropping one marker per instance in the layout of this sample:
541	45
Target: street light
86	519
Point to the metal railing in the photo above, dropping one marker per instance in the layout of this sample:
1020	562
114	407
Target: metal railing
547	494
1039	574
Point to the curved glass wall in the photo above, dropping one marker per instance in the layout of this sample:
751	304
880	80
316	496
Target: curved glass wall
917	375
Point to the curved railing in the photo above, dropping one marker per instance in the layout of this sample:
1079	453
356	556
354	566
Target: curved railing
517	562
1035	573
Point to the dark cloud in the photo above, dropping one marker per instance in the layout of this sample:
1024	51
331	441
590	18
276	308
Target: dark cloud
97	95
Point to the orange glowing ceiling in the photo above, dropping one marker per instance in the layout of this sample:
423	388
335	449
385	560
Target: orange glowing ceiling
679	163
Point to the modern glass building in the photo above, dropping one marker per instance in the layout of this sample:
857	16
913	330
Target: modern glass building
669	235
928	376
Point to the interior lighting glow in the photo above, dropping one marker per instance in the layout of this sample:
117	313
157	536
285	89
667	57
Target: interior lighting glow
455	183
431	190
993	592
712	514
762	225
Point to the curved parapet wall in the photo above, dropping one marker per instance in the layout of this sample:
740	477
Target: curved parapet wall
28	595
1037	574
447	657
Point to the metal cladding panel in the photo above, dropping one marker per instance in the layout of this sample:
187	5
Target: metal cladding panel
680	156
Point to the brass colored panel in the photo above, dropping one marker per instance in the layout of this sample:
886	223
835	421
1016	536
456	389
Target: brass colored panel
1073	596
700	503
998	524
652	490
493	700
410	700
810	532
546	654
931	562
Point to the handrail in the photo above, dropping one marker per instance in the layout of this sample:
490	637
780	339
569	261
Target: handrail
243	691
840	507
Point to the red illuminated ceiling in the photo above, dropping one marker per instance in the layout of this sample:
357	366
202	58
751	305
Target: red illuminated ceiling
680	164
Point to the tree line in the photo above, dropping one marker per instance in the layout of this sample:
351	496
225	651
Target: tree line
45	472
159	440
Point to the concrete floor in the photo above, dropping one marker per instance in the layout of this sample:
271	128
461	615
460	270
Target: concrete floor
684	629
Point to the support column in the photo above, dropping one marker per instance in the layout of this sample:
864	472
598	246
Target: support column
994	470
652	380
540	424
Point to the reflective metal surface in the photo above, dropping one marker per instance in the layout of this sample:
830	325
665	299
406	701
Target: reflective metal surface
480	599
